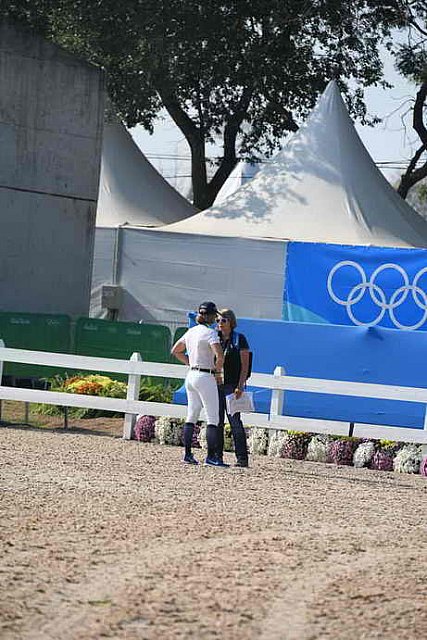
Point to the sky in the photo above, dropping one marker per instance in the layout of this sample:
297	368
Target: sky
392	141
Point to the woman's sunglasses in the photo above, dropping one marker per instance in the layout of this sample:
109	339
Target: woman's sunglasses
222	320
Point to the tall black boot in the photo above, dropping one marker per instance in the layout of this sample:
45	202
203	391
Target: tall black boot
212	440
220	442
188	437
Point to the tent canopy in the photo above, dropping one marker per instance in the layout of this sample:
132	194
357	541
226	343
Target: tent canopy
322	187
131	191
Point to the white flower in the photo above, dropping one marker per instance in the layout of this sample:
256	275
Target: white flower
168	430
317	449
363	454
258	440
202	436
408	459
276	440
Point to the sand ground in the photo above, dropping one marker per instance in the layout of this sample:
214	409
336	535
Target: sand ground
102	538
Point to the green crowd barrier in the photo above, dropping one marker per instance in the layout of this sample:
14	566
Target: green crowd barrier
107	339
36	332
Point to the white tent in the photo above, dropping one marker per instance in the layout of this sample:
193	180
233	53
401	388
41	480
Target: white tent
322	187
241	174
131	191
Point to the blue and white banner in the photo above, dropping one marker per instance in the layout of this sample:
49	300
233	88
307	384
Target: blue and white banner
363	286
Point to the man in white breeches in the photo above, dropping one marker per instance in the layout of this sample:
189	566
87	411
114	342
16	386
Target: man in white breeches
200	348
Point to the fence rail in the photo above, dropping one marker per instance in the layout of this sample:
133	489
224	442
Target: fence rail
278	382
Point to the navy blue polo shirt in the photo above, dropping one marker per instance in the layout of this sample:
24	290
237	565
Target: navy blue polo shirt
232	362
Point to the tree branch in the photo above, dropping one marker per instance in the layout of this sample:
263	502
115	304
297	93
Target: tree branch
418	122
412	175
231	131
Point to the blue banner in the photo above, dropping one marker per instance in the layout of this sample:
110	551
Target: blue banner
331	352
357	286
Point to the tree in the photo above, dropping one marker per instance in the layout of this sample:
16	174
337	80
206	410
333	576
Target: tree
412	63
244	71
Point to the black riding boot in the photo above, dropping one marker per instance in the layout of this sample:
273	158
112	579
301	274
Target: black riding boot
212	440
188	437
220	442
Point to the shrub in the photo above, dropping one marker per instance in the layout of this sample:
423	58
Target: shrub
295	445
276	438
258	440
408	459
341	451
317	449
364	453
144	429
383	457
92	385
169	430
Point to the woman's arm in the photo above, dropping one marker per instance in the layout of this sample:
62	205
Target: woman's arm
219	361
244	368
178	351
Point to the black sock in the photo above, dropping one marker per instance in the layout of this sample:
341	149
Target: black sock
188	437
212	440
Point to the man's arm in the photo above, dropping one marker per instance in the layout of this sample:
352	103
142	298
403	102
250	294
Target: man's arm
178	351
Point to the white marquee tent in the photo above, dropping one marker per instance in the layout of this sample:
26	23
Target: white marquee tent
322	187
241	174
131	191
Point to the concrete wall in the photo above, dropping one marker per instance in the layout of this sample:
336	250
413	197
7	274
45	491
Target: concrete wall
51	117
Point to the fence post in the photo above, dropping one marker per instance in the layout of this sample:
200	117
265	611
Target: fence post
277	395
132	394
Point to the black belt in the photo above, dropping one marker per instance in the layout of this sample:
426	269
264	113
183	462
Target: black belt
203	370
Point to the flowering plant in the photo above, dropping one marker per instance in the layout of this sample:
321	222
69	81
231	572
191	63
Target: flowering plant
92	385
382	460
168	430
341	451
144	429
258	440
364	454
228	438
383	457
295	445
317	449
276	438
95	385
408	459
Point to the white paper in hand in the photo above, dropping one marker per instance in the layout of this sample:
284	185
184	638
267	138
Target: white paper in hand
244	404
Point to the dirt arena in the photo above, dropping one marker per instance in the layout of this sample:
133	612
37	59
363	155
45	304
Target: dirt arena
103	538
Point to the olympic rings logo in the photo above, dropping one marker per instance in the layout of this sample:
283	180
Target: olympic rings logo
378	296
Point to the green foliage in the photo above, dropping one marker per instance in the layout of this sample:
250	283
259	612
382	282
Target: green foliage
245	70
152	392
99	386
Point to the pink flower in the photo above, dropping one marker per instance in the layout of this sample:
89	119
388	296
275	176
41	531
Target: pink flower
383	460
341	451
295	446
144	428
423	467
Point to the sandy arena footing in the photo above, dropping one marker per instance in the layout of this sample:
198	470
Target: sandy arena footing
103	538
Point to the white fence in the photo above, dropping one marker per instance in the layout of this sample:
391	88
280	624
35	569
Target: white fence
279	382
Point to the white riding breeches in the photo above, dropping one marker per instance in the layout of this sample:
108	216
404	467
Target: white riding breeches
202	391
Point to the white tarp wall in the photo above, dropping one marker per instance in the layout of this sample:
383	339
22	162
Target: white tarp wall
51	115
164	275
